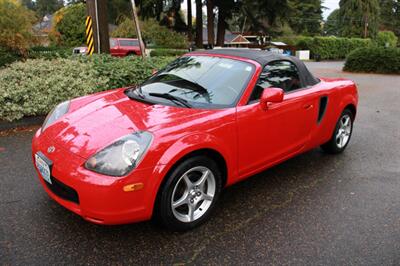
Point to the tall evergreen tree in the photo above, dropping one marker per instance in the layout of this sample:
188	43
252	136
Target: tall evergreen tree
390	15
359	18
264	16
199	24
189	21
29	4
332	26
210	21
44	7
306	16
225	10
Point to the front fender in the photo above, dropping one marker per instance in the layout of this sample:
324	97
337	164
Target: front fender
184	146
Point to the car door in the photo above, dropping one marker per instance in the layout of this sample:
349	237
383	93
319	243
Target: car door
268	136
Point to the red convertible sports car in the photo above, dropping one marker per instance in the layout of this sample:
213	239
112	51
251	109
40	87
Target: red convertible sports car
166	149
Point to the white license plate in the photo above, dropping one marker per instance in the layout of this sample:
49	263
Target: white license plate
43	168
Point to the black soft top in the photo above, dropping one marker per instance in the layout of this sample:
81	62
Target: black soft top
265	57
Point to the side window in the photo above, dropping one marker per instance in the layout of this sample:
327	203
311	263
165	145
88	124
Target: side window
277	74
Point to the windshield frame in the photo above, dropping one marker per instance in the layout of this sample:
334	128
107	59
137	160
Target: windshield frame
197	105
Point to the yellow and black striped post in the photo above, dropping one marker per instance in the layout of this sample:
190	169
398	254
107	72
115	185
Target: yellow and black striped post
89	35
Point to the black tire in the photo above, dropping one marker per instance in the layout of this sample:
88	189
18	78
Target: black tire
133	54
332	146
164	212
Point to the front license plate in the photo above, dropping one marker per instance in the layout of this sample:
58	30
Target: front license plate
43	168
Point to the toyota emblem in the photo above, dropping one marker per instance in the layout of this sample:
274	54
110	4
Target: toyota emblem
51	149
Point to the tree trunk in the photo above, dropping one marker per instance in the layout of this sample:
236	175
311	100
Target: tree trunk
221	27
159	9
210	22
189	20
199	24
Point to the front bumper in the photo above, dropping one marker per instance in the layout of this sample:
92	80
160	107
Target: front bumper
100	199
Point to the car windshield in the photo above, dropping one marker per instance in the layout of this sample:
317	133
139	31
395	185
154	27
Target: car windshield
200	81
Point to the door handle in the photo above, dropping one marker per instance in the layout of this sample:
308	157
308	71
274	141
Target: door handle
308	106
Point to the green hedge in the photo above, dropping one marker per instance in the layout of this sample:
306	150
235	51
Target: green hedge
34	87
167	52
51	52
374	60
331	48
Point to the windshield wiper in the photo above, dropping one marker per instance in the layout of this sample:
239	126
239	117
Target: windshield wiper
171	98
137	90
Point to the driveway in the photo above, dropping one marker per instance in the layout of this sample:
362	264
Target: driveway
315	209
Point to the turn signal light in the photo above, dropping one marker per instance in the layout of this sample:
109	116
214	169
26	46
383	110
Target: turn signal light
133	187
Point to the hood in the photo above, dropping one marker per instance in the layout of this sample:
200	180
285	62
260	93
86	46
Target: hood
96	121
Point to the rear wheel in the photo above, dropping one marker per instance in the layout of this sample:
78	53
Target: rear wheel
190	193
342	134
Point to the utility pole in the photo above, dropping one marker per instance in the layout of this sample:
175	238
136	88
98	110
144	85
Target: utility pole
97	9
138	32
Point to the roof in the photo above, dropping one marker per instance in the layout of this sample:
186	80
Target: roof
239	39
279	43
265	57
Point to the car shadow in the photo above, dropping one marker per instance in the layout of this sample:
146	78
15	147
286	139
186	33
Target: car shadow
239	206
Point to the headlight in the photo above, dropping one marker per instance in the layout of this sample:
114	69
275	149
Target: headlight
122	156
55	114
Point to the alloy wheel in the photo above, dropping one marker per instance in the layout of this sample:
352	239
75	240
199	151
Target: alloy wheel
193	194
344	131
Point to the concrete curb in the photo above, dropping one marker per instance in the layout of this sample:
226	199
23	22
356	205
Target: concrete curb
24	122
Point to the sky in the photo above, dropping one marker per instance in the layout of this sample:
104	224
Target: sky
329	4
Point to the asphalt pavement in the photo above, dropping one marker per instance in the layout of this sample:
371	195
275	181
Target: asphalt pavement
315	209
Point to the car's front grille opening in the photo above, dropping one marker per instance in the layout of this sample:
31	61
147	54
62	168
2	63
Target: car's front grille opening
63	191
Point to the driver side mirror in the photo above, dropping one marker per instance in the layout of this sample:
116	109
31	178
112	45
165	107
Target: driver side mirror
271	95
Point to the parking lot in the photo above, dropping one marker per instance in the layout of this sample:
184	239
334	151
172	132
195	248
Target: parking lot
315	209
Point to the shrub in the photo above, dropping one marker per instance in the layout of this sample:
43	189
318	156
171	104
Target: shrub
69	25
34	87
7	56
124	71
374	60
167	52
386	38
152	32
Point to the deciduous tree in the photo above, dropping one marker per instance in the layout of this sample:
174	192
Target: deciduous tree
15	25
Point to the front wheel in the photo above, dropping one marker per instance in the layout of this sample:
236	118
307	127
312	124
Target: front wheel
342	134
189	194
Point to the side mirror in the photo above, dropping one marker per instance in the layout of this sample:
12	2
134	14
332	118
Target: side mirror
271	95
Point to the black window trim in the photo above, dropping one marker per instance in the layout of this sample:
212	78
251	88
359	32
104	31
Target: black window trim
301	81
